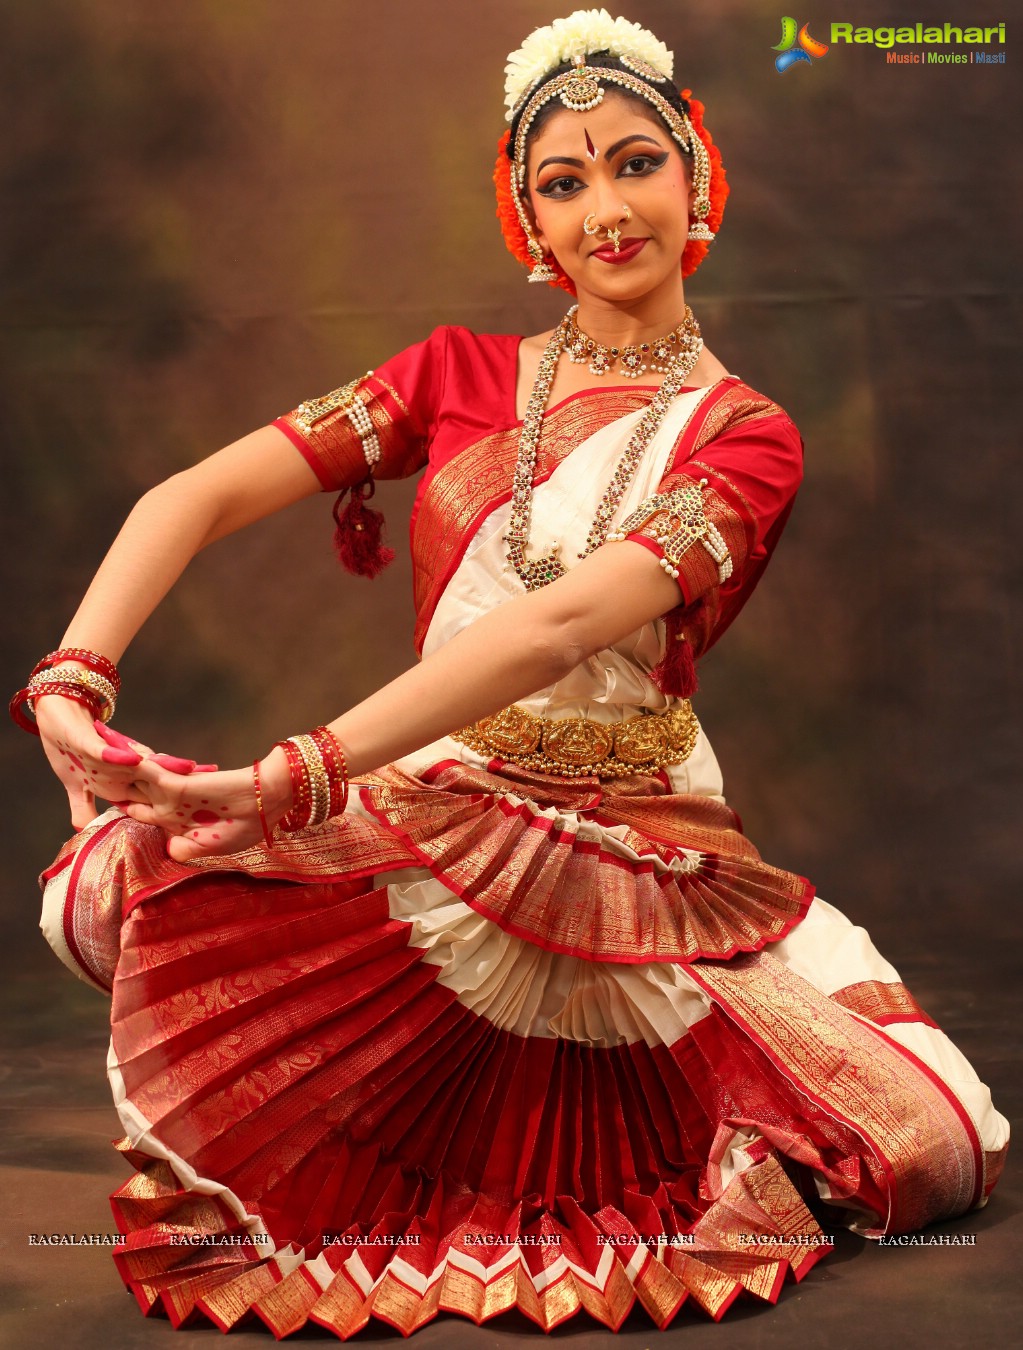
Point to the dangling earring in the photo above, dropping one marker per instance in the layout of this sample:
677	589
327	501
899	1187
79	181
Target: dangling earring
699	229
541	270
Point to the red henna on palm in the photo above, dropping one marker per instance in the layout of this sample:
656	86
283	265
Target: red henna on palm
205	817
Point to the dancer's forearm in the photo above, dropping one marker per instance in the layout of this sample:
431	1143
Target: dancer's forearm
165	530
513	651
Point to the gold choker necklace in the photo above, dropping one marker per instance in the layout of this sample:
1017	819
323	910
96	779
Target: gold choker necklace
537	572
633	360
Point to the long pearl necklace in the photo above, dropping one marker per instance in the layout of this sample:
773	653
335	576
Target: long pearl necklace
537	572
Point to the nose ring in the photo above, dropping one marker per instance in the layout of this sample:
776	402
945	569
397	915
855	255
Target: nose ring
614	233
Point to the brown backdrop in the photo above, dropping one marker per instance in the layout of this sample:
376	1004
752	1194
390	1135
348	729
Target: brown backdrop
217	209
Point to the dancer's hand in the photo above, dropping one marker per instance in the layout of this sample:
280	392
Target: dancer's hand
93	760
89	764
209	813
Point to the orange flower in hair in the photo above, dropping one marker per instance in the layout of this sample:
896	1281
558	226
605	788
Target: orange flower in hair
696	249
511	227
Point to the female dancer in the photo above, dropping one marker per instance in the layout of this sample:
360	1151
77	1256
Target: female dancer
517	1016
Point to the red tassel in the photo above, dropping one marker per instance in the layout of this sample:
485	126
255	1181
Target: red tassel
358	540
675	673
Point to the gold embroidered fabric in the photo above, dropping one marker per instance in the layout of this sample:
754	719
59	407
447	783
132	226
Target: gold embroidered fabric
882	1002
362	427
736	406
580	746
907	1118
552	883
117	867
168	1265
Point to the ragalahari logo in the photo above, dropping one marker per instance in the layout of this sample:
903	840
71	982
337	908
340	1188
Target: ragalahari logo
796	45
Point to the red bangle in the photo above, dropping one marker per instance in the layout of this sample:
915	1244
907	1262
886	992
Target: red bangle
301	793
333	756
15	709
73	692
101	708
264	825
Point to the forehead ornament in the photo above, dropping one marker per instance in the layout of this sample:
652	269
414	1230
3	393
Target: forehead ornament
580	92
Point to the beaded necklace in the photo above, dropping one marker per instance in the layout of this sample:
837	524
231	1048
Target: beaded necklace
633	360
537	572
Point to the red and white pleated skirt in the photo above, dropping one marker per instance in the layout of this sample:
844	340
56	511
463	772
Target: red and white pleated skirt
496	1039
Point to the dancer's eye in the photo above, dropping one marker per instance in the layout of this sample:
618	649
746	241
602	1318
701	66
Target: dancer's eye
638	166
564	186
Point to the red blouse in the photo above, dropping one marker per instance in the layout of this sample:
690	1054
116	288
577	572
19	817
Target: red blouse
447	405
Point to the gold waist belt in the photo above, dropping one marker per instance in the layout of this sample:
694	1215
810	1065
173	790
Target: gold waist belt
574	746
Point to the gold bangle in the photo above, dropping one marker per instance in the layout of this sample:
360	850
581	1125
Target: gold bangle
45	680
319	782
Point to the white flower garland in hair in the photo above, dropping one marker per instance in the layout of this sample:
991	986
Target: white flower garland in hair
585	31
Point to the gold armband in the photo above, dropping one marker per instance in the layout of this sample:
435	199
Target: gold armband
347	403
677	521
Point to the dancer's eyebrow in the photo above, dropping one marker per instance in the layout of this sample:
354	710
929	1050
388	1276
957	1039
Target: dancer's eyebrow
560	159
612	150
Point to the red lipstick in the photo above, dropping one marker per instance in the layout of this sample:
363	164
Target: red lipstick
627	250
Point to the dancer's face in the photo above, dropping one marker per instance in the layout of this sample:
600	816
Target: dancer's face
591	165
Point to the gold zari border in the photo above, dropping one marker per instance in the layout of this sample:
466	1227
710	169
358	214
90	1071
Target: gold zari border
904	1117
881	1001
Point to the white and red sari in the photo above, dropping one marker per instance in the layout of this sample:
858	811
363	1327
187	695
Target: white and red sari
497	1038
